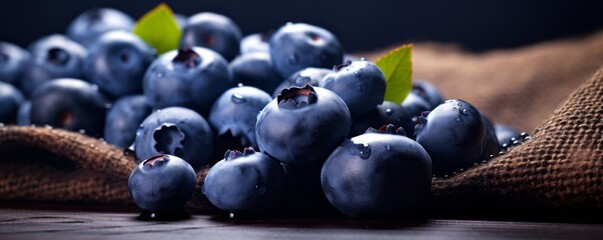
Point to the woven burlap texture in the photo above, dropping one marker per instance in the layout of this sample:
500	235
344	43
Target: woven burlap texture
561	166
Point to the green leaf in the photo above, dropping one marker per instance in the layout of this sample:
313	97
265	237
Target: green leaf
396	65
159	29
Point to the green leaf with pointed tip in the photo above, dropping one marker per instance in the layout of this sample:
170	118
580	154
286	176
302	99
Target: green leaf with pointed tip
159	29
396	65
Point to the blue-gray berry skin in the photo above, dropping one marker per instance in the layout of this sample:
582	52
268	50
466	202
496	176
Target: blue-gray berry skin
384	114
246	181
192	78
414	105
311	75
296	46
427	92
10	100
455	136
256	70
360	84
70	104
175	131
162	183
256	42
123	119
54	56
12	62
23	114
504	133
378	174
234	115
117	62
302	125
214	31
91	24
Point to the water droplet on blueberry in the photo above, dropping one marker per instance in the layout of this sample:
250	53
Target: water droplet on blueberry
362	150
238	98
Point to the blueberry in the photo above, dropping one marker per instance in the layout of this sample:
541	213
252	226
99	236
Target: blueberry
88	26
162	184
181	20
296	46
123	119
504	133
117	63
12	62
378	174
10	100
312	76
302	125
257	42
70	104
384	114
455	136
54	56
256	70
491	144
214	31
246	181
427	92
234	115
23	115
414	105
175	131
360	84
192	78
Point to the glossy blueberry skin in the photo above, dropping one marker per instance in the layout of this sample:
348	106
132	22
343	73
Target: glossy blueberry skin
302	125
117	62
360	84
244	182
70	104
54	56
123	119
162	183
234	115
377	175
12	62
296	46
427	92
23	114
491	144
10	100
312	76
191	78
454	134
384	114
414	105
214	31
256	70
256	42
175	131
504	133
91	24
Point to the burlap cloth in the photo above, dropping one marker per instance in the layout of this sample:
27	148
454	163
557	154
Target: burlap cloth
553	90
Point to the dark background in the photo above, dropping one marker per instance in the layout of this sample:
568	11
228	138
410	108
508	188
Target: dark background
360	25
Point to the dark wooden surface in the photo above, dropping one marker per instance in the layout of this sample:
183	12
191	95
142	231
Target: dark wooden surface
47	224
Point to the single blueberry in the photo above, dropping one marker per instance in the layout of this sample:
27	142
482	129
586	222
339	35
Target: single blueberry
12	62
88	26
123	119
256	70
10	100
214	31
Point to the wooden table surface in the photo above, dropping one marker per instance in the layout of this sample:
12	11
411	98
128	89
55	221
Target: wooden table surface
49	224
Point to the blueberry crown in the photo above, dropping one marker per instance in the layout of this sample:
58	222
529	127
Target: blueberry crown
388	129
234	154
295	97
187	57
156	161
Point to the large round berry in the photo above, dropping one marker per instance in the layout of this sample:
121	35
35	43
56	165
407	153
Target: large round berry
256	70
378	174
454	134
246	181
175	131
70	104
234	115
296	46
214	31
117	63
123	119
88	26
384	114
302	125
12	62
360	84
10	100
54	56
312	76
162	183
192	78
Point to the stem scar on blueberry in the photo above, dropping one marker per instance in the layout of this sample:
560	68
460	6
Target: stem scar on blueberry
159	159
65	118
57	56
296	97
341	66
210	40
187	57
168	139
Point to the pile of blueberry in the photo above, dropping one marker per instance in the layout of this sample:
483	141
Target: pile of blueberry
285	119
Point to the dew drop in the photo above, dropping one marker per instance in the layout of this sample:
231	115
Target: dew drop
159	74
240	85
152	215
293	59
362	59
231	215
389	111
82	131
464	112
459	104
454	108
362	150
388	147
237	98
